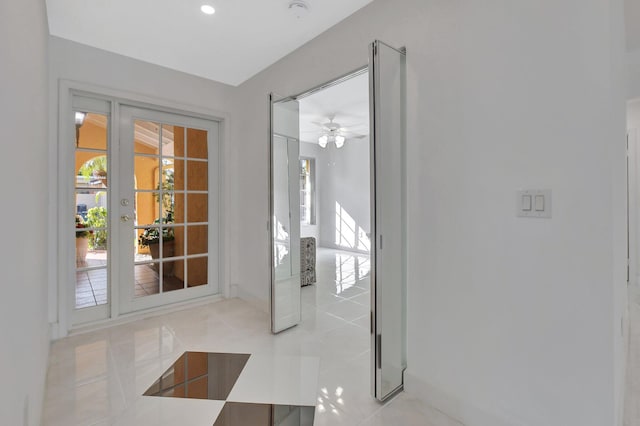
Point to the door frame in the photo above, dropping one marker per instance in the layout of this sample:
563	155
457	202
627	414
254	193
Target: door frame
376	344
127	302
271	100
377	256
633	230
61	285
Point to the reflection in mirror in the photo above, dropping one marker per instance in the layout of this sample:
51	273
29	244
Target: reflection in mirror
281	237
243	413
350	270
200	375
285	220
388	69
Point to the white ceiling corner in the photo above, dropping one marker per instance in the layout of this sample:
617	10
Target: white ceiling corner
241	39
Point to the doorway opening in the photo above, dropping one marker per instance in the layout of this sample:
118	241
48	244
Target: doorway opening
335	205
377	256
146	205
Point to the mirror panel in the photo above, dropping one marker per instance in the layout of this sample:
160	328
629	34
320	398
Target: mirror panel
285	215
387	74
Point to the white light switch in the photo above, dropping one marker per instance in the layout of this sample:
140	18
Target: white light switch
534	203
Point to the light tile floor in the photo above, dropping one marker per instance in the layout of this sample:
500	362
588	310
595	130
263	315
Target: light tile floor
98	378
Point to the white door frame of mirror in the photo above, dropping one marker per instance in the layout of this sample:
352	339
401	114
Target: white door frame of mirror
387	99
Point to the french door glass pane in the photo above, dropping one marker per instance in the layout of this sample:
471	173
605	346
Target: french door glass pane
91	131
170	205
198	209
91	201
172	275
146	172
147	281
147	137
197	175
197	144
164	180
172	145
197	238
91	288
197	271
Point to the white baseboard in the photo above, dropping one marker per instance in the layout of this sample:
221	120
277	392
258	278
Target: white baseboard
140	315
462	411
54	331
250	298
233	291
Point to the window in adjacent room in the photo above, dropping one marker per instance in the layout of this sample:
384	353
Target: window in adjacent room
307	191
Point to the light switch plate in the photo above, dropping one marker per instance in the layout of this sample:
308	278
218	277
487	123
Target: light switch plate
540	207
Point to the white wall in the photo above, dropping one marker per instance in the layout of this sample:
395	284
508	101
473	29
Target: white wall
345	174
510	321
633	114
342	176
633	70
138	80
23	120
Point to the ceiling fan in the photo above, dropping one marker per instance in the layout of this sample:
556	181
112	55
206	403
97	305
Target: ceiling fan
333	132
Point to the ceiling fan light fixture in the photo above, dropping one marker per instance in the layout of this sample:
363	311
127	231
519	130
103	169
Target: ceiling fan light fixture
322	141
339	141
207	9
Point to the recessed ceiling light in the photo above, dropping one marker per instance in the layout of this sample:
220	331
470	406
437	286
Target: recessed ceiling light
208	9
299	8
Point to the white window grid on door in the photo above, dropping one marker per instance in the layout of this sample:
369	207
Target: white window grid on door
110	103
185	192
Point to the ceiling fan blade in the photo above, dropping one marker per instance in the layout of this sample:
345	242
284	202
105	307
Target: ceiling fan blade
353	135
346	116
352	125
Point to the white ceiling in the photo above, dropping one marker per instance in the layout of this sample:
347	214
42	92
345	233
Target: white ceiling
347	103
242	38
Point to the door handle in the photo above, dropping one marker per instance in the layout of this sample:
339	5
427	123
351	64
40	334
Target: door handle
125	218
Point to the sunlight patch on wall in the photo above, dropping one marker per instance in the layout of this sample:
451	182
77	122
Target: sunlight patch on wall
348	234
281	238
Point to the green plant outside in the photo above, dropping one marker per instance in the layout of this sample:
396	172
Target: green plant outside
80	224
95	166
167	188
152	235
97	218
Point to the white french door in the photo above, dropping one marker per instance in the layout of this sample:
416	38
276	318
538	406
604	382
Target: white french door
145	190
88	173
167	219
